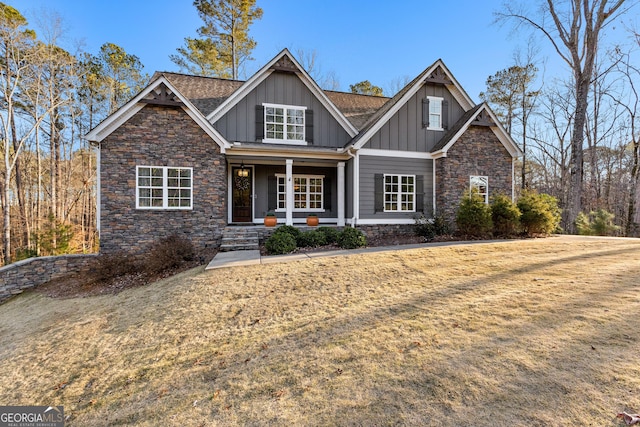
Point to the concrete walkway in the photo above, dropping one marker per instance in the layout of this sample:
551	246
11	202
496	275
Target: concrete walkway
239	258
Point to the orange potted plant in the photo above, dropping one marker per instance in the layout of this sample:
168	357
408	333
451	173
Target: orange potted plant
312	220
270	220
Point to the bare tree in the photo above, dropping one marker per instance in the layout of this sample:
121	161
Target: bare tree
574	30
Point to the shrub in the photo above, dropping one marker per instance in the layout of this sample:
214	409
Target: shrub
598	223
311	238
431	227
169	252
288	229
505	215
107	266
330	234
474	216
351	238
280	243
540	212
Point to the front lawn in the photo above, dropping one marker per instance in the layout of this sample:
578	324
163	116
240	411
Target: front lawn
540	332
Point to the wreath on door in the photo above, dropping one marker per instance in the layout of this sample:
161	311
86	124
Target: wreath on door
242	183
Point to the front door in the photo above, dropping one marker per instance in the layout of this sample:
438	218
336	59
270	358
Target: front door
241	184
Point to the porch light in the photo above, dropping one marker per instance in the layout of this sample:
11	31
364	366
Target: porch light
243	172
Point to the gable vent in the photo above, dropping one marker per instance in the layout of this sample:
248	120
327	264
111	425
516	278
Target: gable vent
439	77
162	95
483	119
285	65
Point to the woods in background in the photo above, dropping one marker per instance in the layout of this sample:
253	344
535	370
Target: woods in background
51	98
579	132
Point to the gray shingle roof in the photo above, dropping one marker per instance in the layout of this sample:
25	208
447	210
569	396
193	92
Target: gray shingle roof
355	107
207	93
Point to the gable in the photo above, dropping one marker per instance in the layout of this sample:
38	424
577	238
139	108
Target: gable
281	87
404	130
160	92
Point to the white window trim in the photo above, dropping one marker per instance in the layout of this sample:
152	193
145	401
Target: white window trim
399	193
441	101
283	176
285	140
472	186
165	187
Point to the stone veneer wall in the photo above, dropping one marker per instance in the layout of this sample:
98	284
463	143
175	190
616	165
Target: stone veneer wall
477	152
160	136
29	273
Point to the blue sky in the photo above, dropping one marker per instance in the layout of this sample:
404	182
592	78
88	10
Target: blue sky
379	41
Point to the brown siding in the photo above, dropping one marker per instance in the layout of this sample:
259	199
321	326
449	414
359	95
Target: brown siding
477	152
160	136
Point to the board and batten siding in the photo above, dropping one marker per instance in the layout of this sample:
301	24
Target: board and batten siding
239	124
372	165
404	129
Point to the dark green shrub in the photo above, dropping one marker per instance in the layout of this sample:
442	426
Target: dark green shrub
351	238
430	228
169	252
505	215
540	212
311	239
330	234
474	216
288	229
280	243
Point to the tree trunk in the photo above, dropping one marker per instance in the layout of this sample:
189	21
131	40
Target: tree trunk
574	205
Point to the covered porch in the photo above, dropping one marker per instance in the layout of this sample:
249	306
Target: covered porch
289	187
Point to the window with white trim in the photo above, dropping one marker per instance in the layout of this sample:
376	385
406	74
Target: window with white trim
308	191
399	193
284	123
481	185
435	113
162	187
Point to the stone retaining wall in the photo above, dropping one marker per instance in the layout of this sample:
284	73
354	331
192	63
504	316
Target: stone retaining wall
29	273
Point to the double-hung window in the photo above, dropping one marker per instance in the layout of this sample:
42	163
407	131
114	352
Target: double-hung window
162	187
284	124
435	113
308	193
481	185
399	193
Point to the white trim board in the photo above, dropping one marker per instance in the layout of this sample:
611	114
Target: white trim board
375	152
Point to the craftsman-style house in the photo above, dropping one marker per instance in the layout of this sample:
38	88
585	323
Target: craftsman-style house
192	155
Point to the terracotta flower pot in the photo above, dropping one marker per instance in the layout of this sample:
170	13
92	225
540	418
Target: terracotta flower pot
270	221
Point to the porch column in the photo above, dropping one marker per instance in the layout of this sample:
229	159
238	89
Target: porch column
341	194
289	181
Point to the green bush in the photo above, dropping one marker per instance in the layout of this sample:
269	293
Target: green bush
351	238
598	223
311	239
540	212
330	234
280	243
288	229
474	216
505	215
430	228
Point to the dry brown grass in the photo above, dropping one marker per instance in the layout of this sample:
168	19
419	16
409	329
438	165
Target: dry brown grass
522	333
